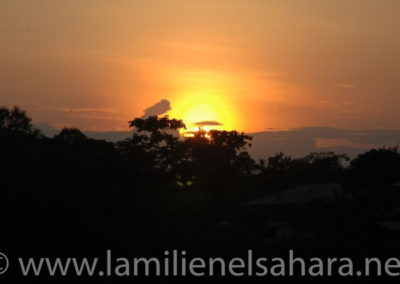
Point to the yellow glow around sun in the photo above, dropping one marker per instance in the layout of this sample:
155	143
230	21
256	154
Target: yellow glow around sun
203	106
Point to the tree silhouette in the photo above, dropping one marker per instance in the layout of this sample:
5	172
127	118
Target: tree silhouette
154	144
262	166
221	153
376	170
70	136
279	163
16	121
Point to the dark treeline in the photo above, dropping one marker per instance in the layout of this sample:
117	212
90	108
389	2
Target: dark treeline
72	195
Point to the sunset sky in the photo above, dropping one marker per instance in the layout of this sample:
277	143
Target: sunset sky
250	65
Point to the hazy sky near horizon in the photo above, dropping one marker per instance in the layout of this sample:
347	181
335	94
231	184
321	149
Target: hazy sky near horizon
251	65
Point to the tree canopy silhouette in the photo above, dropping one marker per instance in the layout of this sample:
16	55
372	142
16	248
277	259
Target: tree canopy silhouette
220	153
70	135
15	120
376	170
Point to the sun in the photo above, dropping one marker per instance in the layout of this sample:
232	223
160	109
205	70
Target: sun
206	109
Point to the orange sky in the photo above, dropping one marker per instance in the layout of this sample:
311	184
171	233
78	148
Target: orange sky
251	65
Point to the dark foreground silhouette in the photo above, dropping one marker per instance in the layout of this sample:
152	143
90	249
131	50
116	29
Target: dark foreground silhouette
77	197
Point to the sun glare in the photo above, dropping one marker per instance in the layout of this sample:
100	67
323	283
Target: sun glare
204	109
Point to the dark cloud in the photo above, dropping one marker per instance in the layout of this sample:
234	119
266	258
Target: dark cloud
157	109
208	123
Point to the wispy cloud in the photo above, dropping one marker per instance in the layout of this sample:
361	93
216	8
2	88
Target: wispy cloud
77	109
345	85
98	117
91	110
83	112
